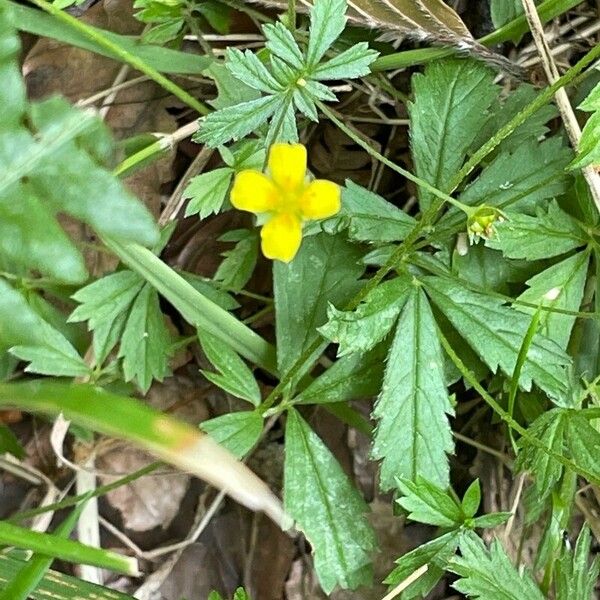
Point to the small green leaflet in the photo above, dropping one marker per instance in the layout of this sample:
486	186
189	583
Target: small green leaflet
413	435
558	287
328	266
496	333
290	79
363	328
549	233
233	375
583	442
207	192
459	93
236	269
575	577
589	145
236	431
490	575
30	338
327	508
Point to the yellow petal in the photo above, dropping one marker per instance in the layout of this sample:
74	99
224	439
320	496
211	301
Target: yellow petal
321	199
281	236
254	192
287	165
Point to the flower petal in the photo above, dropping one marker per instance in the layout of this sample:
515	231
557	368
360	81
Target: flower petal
254	192
281	236
287	165
321	199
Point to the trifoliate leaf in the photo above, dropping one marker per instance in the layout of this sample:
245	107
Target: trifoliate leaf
350	64
237	268
324	271
327	508
30	338
327	21
349	378
413	434
575	577
236	431
490	575
207	192
458	93
427	503
247	67
281	42
545	235
496	333
558	287
363	328
234	376
146	343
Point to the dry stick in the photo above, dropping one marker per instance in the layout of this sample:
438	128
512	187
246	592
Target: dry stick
404	584
562	99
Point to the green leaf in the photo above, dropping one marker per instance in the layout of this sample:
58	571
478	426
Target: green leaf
248	68
505	11
235	122
491	520
435	554
496	333
327	508
589	145
105	304
325	270
490	575
9	442
146	344
327	21
583	442
236	431
459	93
545	235
364	327
349	378
233	375
281	42
207	192
522	178
575	577
472	499
231	90
351	63
559	287
30	338
428	503
413	434
237	268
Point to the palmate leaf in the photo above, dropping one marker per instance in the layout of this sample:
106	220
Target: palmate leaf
55	164
458	93
413	435
327	508
496	333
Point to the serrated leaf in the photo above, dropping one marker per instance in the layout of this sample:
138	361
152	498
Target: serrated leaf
281	42
576	577
236	431
496	333
435	554
328	267
490	575
237	268
349	378
248	68
305	104
9	442
589	144
458	93
558	287
207	192
363	328
583	442
30	338
413	434
427	503
231	90
522	178
353	62
234	376
327	508
550	429
327	21
545	235
235	122
146	343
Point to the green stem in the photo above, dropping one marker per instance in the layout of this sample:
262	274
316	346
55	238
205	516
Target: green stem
126	56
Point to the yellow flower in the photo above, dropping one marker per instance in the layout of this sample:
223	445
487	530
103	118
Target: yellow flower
286	199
